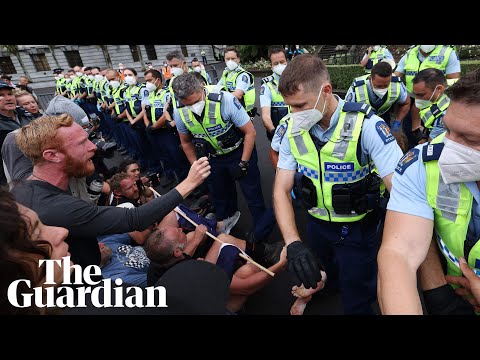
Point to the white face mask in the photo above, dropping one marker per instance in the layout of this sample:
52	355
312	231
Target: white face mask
376	47
427	48
231	65
197	108
130	80
176	71
379	92
56	77
458	163
68	80
150	86
61	76
114	84
197	69
278	69
73	76
91	77
99	77
307	118
422	104
78	73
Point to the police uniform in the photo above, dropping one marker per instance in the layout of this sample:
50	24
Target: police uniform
375	57
341	230
134	96
432	116
271	97
165	141
239	78
361	92
442	57
418	189
218	136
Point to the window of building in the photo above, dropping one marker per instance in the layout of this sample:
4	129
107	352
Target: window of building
73	58
40	61
134	51
6	65
184	50
151	53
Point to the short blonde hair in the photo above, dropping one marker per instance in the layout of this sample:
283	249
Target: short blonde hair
19	93
41	134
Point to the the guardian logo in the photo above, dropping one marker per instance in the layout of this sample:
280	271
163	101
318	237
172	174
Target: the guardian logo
76	296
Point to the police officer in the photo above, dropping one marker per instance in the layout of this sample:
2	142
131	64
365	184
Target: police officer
336	145
216	124
271	101
178	66
435	189
118	113
429	89
238	80
417	58
135	93
197	67
161	131
78	87
381	90
60	82
373	55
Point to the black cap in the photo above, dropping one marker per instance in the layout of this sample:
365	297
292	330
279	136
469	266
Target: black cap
57	71
4	85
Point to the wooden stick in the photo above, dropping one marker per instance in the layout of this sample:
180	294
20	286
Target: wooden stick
242	254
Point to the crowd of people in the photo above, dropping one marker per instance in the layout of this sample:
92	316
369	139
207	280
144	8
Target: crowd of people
384	174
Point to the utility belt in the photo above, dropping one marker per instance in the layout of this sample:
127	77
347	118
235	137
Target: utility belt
231	138
361	196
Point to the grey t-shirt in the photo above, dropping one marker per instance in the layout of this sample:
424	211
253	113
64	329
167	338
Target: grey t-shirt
85	221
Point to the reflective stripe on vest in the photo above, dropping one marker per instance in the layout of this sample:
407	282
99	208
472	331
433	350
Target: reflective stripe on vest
338	162
229	80
361	94
452	205
156	102
131	96
437	59
375	56
212	125
431	113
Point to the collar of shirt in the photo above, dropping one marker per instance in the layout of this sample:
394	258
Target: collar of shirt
327	134
276	77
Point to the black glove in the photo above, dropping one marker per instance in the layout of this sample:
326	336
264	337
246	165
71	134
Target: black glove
270	134
239	171
303	263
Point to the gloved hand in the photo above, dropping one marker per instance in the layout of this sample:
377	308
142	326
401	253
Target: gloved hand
397	125
303	263
270	134
239	171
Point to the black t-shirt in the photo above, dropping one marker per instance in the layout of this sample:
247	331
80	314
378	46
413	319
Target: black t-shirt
156	271
85	221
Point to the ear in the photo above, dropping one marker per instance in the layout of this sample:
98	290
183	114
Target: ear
177	253
327	88
53	155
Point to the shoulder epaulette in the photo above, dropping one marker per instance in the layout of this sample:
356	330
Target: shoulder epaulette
267	79
396	78
432	152
358	107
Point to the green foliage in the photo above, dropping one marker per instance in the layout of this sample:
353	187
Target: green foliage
342	76
252	53
261	64
469	65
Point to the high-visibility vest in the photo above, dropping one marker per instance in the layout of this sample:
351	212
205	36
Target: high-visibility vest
361	93
229	79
